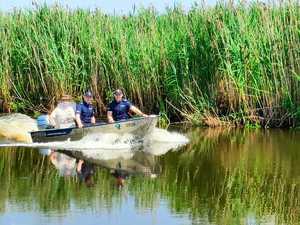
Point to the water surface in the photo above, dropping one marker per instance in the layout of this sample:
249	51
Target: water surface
222	176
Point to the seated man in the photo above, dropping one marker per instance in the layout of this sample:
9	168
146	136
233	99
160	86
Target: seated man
63	115
85	114
119	108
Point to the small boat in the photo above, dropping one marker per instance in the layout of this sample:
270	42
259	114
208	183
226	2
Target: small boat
138	127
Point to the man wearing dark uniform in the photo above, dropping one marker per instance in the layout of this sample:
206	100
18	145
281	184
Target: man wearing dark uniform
85	114
119	108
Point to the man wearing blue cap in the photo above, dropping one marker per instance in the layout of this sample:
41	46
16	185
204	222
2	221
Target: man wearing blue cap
120	108
85	114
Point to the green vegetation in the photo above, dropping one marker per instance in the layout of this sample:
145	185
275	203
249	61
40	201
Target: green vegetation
222	65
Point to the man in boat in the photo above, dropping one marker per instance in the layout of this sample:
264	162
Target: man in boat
120	108
85	114
63	116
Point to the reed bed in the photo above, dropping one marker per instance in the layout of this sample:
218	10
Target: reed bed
228	64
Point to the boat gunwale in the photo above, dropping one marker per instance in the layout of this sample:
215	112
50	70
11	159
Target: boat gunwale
100	124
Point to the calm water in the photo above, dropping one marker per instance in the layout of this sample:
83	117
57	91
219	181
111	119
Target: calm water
220	177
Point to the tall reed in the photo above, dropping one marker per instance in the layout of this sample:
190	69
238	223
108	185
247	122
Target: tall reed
239	63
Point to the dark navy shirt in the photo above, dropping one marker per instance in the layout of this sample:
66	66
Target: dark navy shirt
86	112
120	110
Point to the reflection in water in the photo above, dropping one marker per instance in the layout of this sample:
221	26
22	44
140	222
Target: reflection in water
85	172
135	163
120	175
64	163
221	177
242	173
122	163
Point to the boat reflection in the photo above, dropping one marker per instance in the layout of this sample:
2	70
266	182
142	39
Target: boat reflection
122	163
66	165
85	172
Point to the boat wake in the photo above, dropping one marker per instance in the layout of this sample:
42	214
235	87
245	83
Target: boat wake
155	142
15	128
88	142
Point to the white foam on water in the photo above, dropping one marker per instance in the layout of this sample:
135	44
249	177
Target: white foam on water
17	126
93	141
158	142
101	141
161	135
109	154
161	141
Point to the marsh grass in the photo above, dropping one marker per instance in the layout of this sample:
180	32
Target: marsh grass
226	64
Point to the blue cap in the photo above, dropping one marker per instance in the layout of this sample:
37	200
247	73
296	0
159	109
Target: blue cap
88	94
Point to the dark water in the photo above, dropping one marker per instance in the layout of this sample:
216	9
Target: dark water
221	177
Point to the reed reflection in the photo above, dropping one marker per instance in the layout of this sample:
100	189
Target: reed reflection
224	176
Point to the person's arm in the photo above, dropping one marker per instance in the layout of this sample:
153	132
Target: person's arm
110	117
93	120
79	166
77	116
52	121
78	120
52	118
137	111
53	156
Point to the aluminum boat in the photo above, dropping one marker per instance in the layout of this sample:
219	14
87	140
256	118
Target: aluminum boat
139	127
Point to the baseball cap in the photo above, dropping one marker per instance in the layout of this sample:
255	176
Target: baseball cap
88	94
66	97
118	92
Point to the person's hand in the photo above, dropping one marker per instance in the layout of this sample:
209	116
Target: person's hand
80	125
144	115
111	121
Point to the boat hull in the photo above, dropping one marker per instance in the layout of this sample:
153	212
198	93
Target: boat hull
138	127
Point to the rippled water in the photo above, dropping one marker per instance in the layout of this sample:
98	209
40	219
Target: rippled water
221	176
